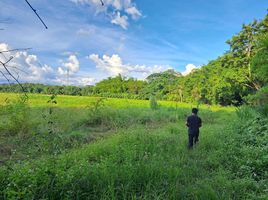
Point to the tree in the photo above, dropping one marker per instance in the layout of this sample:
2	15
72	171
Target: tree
260	61
243	49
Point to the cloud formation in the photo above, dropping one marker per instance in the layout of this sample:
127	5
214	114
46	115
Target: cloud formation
71	66
120	20
24	66
113	65
91	30
188	69
27	68
134	12
118	11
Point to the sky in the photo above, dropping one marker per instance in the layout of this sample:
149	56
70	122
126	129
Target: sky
87	41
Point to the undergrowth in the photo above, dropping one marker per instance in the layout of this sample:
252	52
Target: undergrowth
144	157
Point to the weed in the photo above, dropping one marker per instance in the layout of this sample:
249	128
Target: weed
153	103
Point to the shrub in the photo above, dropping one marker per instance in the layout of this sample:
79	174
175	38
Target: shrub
260	100
153	103
15	115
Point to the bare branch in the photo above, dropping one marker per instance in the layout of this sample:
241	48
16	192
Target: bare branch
255	85
10	58
18	69
19	49
36	14
102	2
12	72
3	74
9	73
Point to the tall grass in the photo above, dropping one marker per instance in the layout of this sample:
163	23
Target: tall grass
144	157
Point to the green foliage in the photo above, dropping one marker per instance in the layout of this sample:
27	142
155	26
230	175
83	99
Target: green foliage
246	155
160	84
144	157
15	115
260	60
51	139
260	100
119	85
246	113
95	109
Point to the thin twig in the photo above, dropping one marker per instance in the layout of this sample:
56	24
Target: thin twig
5	77
10	58
3	55
18	69
36	14
19	49
11	75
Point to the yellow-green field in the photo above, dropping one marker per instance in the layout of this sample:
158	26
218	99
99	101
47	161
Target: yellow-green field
38	100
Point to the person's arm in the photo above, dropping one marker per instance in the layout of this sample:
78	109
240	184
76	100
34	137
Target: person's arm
200	122
187	122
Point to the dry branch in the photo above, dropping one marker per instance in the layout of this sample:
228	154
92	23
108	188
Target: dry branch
19	49
36	14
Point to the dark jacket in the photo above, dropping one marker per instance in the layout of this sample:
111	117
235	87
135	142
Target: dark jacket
194	122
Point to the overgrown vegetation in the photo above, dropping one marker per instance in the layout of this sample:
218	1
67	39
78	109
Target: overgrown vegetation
56	147
144	157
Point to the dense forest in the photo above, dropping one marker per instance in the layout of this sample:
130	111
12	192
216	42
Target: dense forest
239	76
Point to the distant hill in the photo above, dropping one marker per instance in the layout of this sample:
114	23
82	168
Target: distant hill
168	74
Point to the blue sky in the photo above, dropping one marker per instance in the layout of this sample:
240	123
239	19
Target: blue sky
90	42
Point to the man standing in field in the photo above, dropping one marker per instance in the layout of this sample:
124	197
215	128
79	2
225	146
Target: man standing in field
193	123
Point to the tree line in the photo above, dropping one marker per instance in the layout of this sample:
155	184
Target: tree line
239	76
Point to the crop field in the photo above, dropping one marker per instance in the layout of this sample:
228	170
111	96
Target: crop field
67	147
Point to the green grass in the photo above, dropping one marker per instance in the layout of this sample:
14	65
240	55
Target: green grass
125	150
37	100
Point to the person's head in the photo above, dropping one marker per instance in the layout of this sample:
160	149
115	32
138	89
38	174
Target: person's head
195	111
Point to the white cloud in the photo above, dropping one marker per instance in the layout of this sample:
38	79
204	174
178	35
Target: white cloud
134	12
27	68
71	66
75	80
116	4
86	31
24	66
3	47
113	65
120	20
188	69
122	8
85	81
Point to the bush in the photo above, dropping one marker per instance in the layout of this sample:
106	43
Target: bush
246	151
246	113
260	100
15	117
153	103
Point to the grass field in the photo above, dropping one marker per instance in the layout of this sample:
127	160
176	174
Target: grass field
87	148
36	100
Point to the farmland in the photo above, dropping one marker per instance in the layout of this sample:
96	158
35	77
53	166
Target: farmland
67	147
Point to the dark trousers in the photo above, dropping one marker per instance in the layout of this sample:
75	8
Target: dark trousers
193	137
